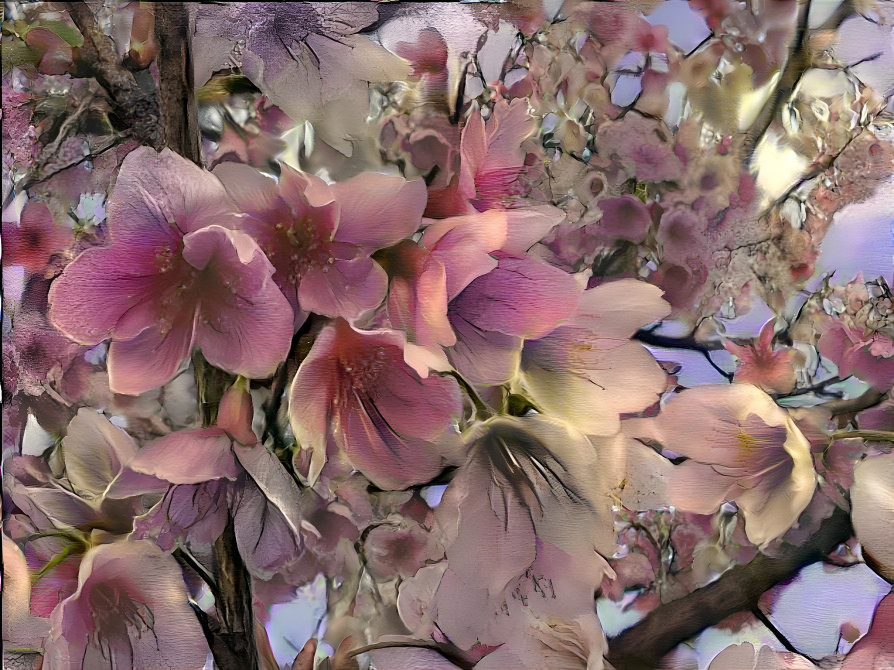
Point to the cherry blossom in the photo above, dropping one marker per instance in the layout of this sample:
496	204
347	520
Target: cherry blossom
36	238
587	371
319	237
763	367
872	499
355	390
130	597
740	446
492	163
176	276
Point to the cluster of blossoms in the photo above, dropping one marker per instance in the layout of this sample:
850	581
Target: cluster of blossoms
403	364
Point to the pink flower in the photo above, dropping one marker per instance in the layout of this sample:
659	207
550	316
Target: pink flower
417	295
587	371
399	549
492	163
355	389
521	298
740	446
319	237
131	610
867	356
763	367
532	504
176	276
872	503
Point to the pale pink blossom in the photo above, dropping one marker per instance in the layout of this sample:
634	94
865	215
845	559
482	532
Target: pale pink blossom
587	371
872	507
131	610
531	503
740	446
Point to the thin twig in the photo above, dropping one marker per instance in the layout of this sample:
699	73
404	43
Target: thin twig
784	641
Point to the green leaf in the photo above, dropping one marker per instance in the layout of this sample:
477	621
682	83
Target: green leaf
66	32
16	53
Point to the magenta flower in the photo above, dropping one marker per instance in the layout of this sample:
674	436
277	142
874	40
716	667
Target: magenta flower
319	237
354	388
131	610
176	277
35	239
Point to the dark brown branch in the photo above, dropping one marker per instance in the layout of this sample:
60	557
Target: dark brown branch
778	634
136	108
870	398
231	632
796	65
738	590
649	337
799	60
233	645
177	97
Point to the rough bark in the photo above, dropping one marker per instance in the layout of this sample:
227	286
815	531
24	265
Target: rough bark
643	645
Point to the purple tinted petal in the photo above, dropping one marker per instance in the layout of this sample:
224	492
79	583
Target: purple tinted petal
521	297
484	357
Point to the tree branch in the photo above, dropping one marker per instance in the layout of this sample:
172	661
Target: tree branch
177	96
690	343
796	65
136	108
738	590
870	398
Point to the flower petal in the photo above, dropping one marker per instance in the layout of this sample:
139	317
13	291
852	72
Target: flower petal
151	359
244	323
345	288
377	210
521	296
130	594
189	457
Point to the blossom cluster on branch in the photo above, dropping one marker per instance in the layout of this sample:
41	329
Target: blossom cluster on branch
473	331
